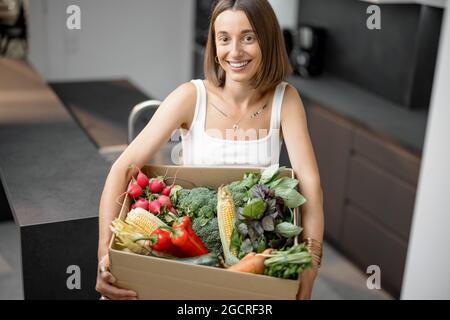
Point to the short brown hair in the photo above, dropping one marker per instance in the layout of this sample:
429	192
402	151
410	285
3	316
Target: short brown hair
275	66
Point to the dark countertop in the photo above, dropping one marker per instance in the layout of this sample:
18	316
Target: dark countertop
102	107
51	171
406	127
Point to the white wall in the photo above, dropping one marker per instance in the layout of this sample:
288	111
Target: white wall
427	273
148	41
286	11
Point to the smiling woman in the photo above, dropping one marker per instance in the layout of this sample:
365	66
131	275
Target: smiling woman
246	99
246	40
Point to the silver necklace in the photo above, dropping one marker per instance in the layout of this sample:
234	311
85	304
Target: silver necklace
236	124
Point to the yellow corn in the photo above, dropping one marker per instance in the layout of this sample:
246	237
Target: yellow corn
125	236
226	218
144	221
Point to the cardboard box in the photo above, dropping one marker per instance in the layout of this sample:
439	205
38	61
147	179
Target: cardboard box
157	278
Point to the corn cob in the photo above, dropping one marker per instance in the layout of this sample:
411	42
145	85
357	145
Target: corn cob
125	236
226	218
144	221
128	238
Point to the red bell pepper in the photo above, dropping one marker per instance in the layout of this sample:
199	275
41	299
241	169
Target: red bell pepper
185	222
160	240
185	238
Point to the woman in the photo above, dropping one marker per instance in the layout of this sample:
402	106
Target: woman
240	105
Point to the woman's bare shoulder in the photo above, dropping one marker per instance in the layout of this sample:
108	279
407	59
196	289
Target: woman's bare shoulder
292	103
186	92
291	94
185	98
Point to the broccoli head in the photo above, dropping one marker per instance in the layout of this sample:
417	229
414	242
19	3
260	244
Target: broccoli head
208	231
197	202
239	193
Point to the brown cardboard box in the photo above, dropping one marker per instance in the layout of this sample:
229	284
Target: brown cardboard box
156	278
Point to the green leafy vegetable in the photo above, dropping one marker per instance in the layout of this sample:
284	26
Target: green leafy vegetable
291	197
235	242
287	264
270	173
287	230
173	195
283	183
239	189
254	209
260	245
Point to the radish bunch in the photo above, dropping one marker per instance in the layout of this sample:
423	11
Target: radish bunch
150	195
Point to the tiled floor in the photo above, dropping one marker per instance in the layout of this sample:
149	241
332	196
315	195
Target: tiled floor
338	278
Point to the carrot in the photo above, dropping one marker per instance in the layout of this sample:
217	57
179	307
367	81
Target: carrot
251	263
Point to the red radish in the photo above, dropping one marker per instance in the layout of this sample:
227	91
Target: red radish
154	207
173	210
142	180
156	185
134	190
165	200
133	205
142	203
166	190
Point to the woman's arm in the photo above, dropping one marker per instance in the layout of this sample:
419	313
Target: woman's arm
303	161
175	110
301	154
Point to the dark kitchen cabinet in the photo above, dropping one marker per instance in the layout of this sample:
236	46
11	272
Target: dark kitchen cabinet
332	138
369	184
367	242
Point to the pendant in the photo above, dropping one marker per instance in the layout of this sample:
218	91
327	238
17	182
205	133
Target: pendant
235	127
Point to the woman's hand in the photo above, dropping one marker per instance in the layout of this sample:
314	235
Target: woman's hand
306	283
105	284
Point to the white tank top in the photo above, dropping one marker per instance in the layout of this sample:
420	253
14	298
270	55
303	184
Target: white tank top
201	149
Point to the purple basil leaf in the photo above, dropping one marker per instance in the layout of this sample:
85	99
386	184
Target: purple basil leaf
246	246
240	216
258	191
243	230
267	223
271	207
280	205
257	226
251	233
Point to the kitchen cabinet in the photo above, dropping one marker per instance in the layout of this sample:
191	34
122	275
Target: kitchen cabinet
369	183
331	137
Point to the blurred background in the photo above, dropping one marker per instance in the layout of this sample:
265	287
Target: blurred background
374	82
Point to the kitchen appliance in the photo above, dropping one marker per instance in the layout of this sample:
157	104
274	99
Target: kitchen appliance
307	56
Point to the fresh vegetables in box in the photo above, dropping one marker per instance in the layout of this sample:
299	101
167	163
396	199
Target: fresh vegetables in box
247	225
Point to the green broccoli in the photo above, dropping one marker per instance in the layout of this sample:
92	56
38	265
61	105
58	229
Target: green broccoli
239	193
208	231
197	202
239	189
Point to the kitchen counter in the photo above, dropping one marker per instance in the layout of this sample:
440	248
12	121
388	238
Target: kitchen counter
102	107
53	176
44	152
405	127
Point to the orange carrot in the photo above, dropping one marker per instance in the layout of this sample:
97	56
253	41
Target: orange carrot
251	263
